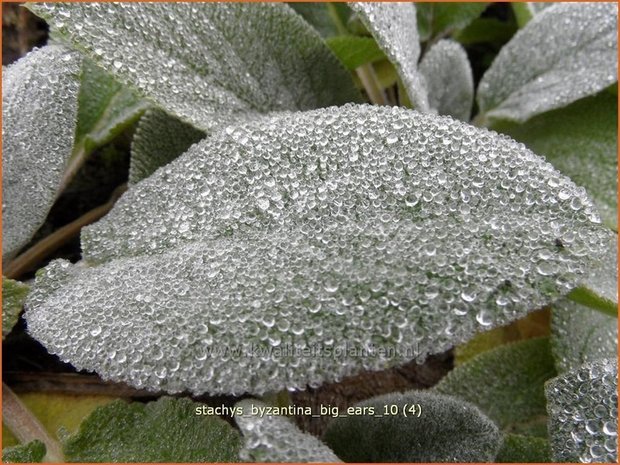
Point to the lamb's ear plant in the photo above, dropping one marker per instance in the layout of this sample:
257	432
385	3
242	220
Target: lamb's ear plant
272	212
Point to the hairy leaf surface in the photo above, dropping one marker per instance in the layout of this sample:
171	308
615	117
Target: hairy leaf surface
33	452
276	439
394	26
449	80
13	296
324	17
39	111
191	60
583	413
447	430
167	430
313	231
517	448
576	55
439	19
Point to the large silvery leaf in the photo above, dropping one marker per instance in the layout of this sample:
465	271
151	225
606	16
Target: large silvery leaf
416	426
312	231
581	141
567	52
583	413
272	438
581	335
394	26
193	59
449	79
506	383
39	110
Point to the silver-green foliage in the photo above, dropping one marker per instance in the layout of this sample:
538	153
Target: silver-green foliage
13	296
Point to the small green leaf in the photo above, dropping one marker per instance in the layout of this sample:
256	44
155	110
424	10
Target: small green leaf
394	26
506	383
33	452
39	111
441	19
205	73
581	141
417	426
576	55
583	413
159	139
13	296
168	430
354	51
272	438
321	16
449	80
486	30
581	335
517	448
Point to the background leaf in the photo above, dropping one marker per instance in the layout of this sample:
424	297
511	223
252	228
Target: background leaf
167	430
33	452
583	413
524	449
581	141
39	110
324	17
576	56
394	26
159	139
447	430
354	51
441	19
205	73
13	296
449	79
277	439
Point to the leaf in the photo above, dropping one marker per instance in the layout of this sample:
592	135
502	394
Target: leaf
440	19
524	11
39	109
320	16
204	73
581	141
167	430
486	30
273	438
354	51
446	430
312	232
524	449
506	383
581	335
583	413
33	452
449	79
159	139
394	26
13	296
575	56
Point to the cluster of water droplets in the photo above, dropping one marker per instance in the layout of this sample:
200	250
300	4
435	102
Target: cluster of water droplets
39	107
566	52
276	439
314	245
583	410
191	59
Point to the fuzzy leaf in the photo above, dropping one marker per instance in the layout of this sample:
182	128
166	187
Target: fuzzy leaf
506	383
581	141
517	448
167	430
354	51
449	79
13	296
159	139
312	231
581	335
33	452
276	439
39	110
583	413
575	55
320	17
447	430
204	72
439	19
394	26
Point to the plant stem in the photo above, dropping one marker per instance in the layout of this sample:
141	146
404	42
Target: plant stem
42	249
371	84
75	163
25	426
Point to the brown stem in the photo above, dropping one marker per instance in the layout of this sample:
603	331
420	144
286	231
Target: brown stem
42	249
25	426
